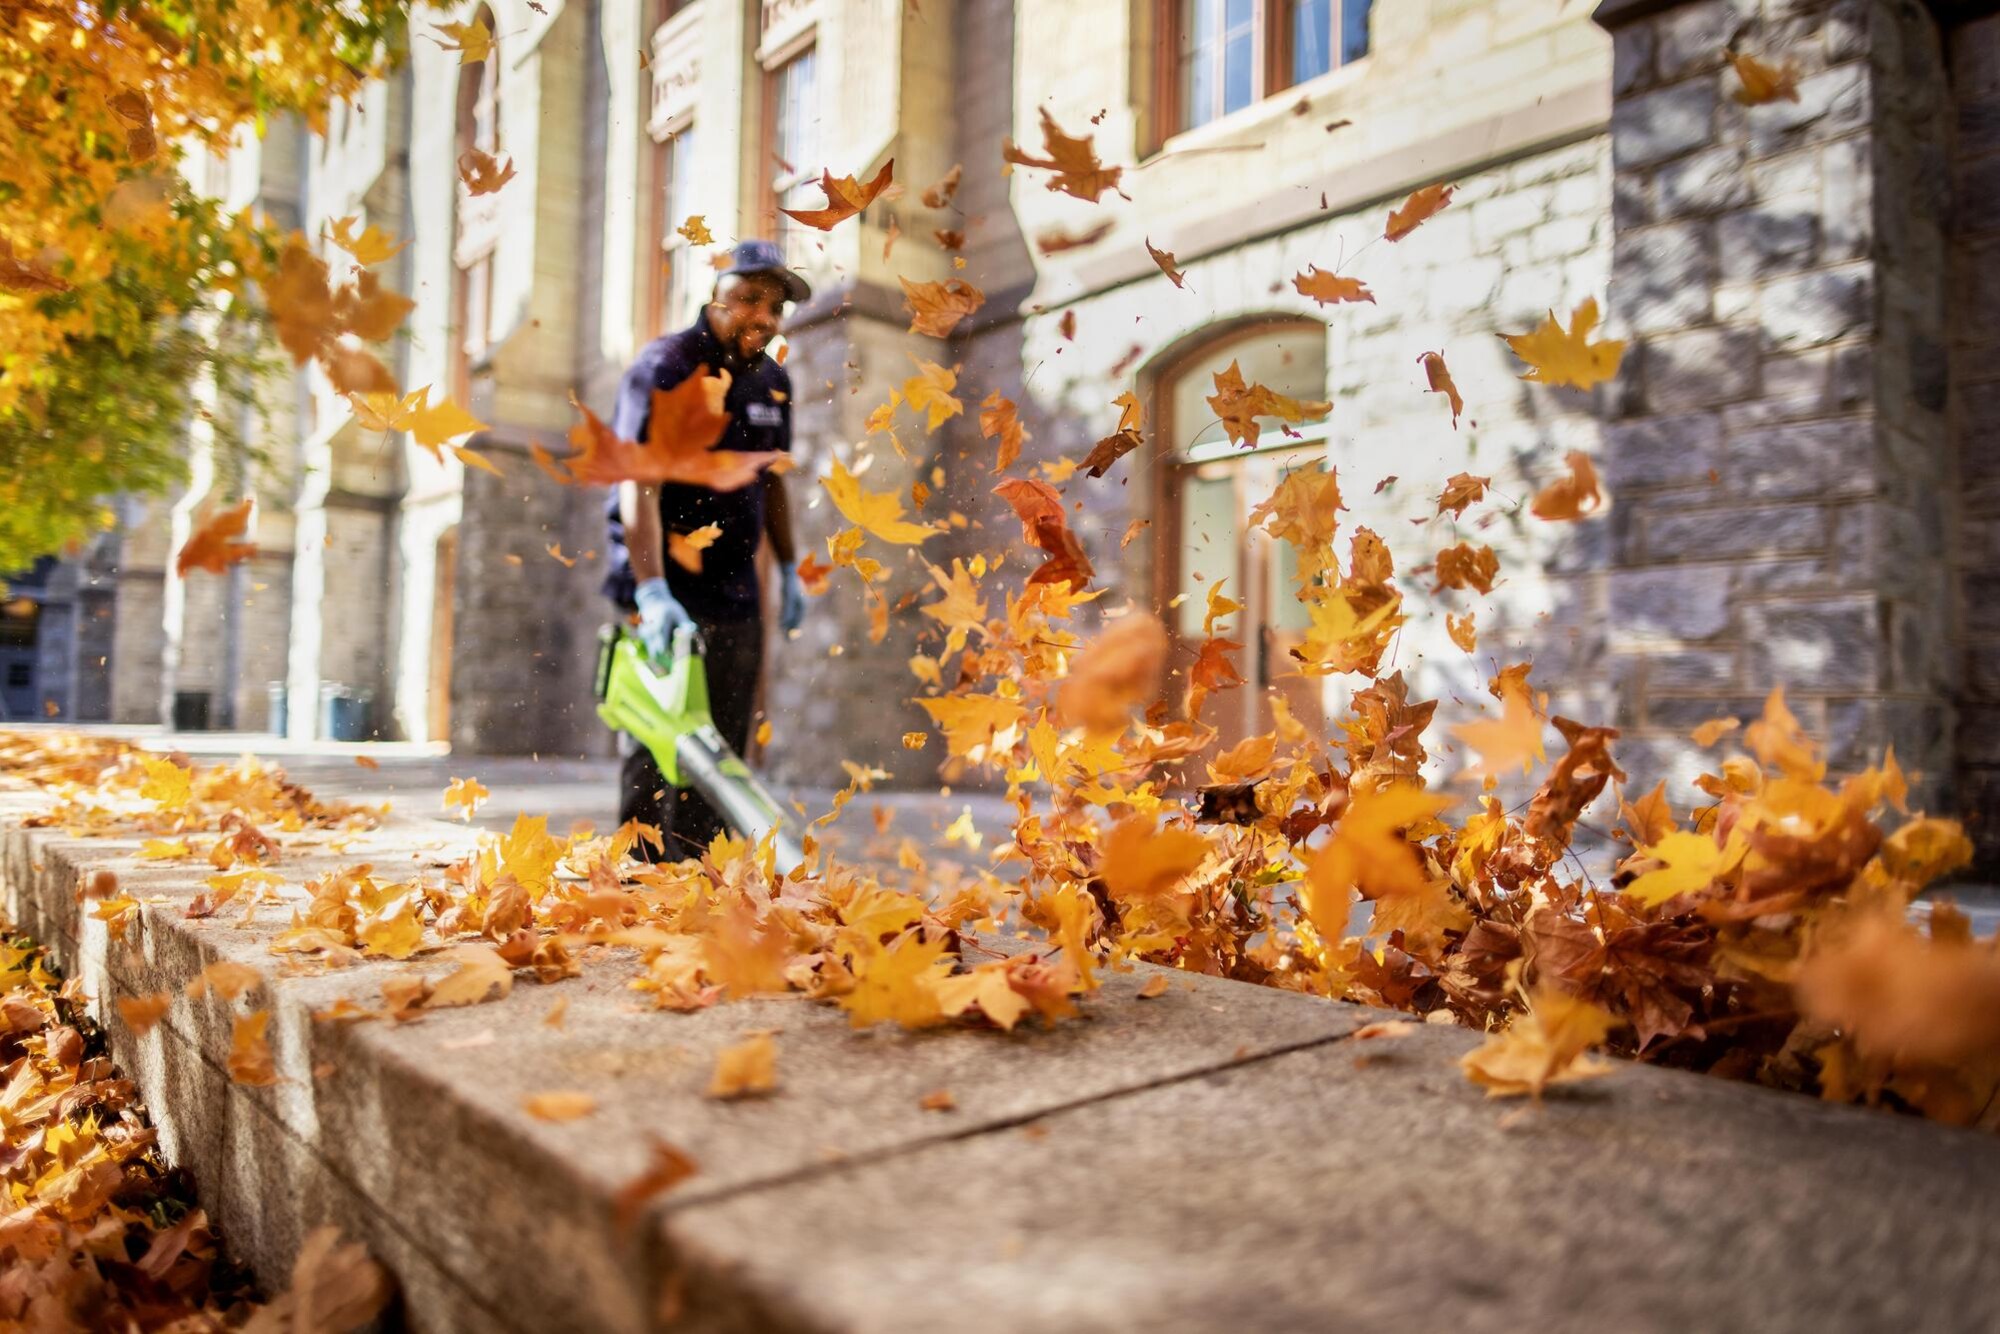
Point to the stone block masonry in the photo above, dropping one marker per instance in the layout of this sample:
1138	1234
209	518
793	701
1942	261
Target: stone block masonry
1170	1163
1777	440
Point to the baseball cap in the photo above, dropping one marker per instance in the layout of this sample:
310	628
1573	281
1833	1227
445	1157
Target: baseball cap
756	256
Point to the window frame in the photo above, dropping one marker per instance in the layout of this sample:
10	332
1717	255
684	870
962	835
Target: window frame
1270	62
665	296
474	217
772	183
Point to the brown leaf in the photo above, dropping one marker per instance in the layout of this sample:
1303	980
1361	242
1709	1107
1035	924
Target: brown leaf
845	197
1040	509
1078	172
1416	210
1327	288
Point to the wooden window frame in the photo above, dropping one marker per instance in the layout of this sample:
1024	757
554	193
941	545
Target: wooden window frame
769	193
661	240
1271	60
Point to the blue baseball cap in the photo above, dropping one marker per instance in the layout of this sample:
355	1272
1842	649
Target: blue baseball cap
755	256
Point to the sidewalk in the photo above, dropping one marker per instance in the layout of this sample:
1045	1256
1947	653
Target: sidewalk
1223	1155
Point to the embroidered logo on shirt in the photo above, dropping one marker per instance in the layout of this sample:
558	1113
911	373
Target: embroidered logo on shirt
764	414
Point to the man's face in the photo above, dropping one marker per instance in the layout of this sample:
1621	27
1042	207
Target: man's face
746	312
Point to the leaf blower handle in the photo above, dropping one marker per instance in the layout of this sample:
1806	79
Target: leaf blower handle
661	617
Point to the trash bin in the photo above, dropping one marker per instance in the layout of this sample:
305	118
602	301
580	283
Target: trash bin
344	714
277	723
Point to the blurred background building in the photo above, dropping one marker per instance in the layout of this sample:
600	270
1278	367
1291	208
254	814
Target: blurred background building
1802	488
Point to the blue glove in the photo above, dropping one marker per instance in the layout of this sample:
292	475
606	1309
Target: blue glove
791	599
659	616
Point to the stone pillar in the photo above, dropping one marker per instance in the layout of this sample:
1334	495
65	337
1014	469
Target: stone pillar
1777	441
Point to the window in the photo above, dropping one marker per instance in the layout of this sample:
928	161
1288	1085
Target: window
666	275
1227	54
478	231
791	134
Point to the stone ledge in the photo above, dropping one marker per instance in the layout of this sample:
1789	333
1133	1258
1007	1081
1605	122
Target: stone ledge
1220	1153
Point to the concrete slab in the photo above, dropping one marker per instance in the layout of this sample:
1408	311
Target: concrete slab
1215	1155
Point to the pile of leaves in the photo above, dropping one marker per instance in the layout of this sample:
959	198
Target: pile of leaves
97	1232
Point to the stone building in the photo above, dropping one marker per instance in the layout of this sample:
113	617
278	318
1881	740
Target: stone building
1795	451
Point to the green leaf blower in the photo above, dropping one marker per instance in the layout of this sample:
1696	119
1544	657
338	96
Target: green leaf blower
665	706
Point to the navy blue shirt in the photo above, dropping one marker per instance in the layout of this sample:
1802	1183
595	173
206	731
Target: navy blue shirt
759	403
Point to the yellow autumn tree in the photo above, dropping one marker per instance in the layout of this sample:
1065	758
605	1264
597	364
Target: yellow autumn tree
120	286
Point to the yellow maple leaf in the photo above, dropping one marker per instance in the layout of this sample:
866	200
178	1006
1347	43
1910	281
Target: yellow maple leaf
961	610
1239	405
1140	864
249	1052
695	229
167	785
1567	357
393	937
929	392
970	721
1541	1047
466	794
472	41
898	982
481	975
371	245
936	308
1690	862
1369	852
988	986
877	512
1515	737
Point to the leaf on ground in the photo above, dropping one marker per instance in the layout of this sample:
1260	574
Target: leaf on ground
1543	1046
563	1105
745	1068
481	975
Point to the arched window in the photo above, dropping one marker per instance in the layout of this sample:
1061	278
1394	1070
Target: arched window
1209	487
478	231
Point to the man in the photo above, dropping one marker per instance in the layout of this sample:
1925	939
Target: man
722	599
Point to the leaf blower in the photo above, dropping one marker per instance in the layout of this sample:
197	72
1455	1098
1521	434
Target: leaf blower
665	706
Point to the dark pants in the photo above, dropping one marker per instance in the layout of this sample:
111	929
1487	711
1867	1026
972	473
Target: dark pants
735	655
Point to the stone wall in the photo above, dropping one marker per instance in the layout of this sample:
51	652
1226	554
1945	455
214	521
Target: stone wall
1777	442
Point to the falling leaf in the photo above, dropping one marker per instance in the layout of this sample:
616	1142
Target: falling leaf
745	1068
1441	383
686	421
1712	731
1154	987
936	308
1078	172
472	41
213	545
1043	523
1461	630
1326	288
431	425
695	229
1055	242
1460	490
1905	998
367	762
938	1100
141	1013
845	197
929	392
970	721
877	512
249	1053
1239	405
1515	737
1115	673
1759	83
224	978
940	193
1419	208
1120	442
483	173
565	1105
1573	496
371	246
1165	259
999	420
814	573
466	794
1556	357
1132	530
1467	566
555	550
1541	1047
685	548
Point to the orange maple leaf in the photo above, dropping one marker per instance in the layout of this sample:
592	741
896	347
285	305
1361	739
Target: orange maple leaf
1040	509
1515	737
1239	405
1467	566
1421	206
482	172
999	419
936	308
1573	496
1461	489
1326	288
1760	83
1078	172
686	422
213	545
845	197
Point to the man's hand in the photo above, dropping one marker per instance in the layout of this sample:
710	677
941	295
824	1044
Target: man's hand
792	599
660	614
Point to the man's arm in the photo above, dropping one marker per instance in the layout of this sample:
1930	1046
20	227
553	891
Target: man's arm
777	519
645	539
